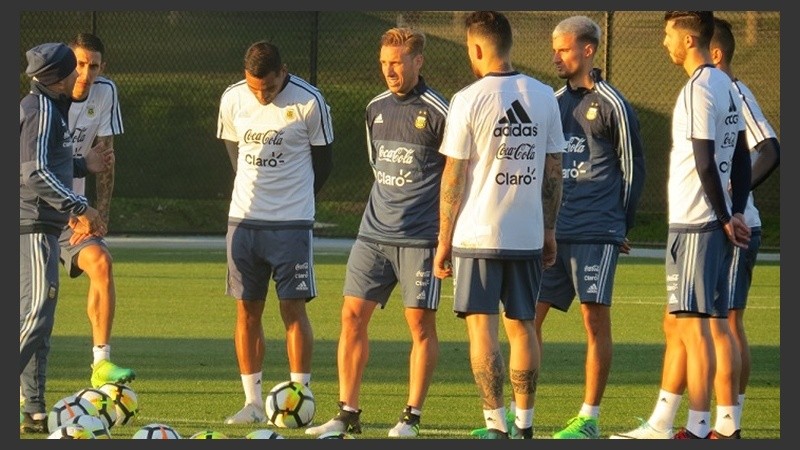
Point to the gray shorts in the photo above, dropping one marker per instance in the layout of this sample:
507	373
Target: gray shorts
480	285
585	269
255	255
69	253
373	270
697	265
741	273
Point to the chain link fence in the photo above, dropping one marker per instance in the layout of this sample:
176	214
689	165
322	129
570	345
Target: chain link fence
171	68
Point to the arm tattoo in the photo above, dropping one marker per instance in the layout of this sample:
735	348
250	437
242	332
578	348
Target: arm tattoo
552	185
451	195
489	374
105	183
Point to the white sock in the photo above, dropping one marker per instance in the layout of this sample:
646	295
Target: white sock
101	352
588	410
523	418
496	418
738	410
252	389
699	423
415	411
304	378
663	417
726	420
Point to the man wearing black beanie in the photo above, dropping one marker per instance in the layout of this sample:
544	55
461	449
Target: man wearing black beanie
46	198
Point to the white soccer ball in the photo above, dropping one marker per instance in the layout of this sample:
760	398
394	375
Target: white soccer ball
71	431
156	431
335	435
106	408
66	409
264	433
290	404
126	401
93	424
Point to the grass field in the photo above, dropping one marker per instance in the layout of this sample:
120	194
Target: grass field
174	325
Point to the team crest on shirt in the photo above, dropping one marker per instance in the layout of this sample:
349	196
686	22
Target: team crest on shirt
591	113
422	120
90	111
289	114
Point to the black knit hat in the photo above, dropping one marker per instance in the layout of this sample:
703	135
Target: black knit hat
50	63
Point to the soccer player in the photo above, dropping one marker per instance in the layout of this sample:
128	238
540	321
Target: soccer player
500	195
709	150
94	119
398	232
278	133
765	158
47	167
604	175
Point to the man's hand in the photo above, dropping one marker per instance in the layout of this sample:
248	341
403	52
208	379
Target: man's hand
625	247
442	266
89	224
737	230
550	248
99	158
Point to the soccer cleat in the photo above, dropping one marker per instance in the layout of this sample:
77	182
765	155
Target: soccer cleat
510	417
683	433
735	435
408	426
344	422
31	425
579	427
251	413
107	372
643	431
492	433
520	433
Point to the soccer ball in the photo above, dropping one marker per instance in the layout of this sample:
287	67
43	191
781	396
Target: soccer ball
208	434
156	431
126	401
71	431
92	424
106	409
335	435
290	405
263	434
67	408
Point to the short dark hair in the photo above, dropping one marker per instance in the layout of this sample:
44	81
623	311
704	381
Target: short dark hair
700	23
88	41
723	38
262	58
493	26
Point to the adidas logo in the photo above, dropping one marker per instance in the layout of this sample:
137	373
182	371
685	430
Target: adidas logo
302	286
378	119
515	122
733	117
673	299
592	289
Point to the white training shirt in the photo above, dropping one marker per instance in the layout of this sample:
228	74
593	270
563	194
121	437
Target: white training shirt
758	129
707	108
97	115
504	124
274	176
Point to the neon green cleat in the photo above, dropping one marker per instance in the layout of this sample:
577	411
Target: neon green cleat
107	372
579	427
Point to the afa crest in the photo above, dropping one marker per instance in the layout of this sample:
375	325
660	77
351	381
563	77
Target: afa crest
591	113
90	111
422	120
289	114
